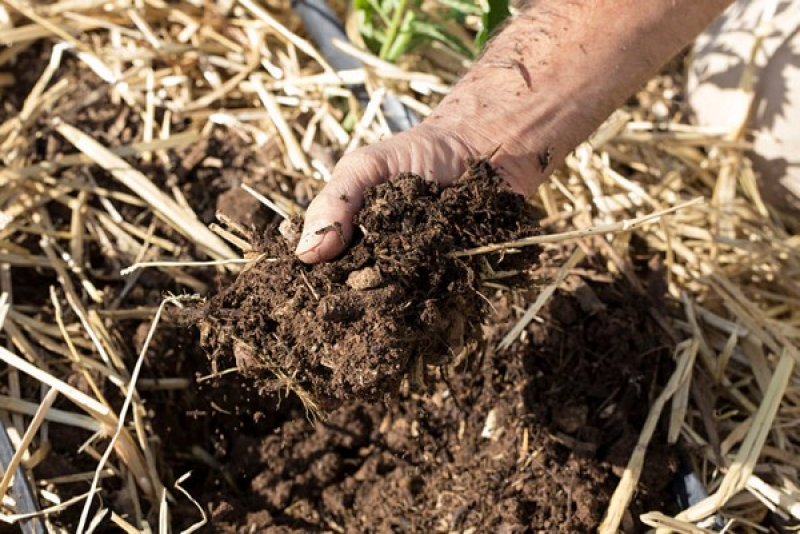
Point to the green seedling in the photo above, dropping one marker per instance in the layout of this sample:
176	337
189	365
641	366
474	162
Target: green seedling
393	28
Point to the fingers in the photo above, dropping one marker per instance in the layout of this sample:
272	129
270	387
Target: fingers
424	150
328	225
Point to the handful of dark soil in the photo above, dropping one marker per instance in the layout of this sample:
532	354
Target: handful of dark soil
353	327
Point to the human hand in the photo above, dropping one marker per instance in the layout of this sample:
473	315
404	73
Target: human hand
535	93
433	152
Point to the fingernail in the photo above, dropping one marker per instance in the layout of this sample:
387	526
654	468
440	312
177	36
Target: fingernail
309	240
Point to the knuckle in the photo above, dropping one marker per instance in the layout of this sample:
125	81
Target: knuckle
362	167
353	162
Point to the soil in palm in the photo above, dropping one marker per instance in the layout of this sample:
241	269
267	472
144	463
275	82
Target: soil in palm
396	300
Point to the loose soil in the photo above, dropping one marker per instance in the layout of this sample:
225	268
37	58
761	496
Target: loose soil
396	300
532	439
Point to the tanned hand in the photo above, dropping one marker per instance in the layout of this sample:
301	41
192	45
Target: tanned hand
544	84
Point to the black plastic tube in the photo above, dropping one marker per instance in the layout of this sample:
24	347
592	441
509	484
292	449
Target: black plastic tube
689	490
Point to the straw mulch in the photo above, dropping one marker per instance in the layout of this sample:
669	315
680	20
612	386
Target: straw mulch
101	101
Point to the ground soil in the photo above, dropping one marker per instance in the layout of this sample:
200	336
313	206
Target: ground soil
396	300
532	439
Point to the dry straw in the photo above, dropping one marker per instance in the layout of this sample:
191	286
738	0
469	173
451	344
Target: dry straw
186	71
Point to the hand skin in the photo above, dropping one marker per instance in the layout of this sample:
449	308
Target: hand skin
543	85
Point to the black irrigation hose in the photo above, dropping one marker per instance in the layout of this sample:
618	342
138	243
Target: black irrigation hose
20	490
324	28
689	490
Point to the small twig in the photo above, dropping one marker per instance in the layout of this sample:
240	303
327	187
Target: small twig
267	202
141	265
621	226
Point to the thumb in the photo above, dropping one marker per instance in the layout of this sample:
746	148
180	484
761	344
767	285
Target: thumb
328	225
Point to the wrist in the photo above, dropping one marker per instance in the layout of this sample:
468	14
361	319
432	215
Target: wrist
557	71
525	134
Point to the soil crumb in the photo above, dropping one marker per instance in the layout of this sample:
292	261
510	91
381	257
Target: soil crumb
396	300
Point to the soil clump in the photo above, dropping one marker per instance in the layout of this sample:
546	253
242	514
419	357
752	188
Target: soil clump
396	300
532	439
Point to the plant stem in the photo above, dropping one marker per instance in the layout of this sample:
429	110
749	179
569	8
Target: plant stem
391	34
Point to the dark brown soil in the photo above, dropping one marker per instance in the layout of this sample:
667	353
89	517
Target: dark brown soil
530	440
396	300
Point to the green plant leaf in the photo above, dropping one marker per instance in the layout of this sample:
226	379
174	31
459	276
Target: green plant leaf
495	12
404	39
437	33
370	33
349	121
398	19
391	28
371	8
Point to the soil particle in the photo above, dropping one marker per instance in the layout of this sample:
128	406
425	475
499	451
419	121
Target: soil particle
242	208
352	328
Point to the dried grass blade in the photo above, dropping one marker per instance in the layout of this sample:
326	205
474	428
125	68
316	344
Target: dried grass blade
280	29
267	202
30	432
296	154
185	223
131	388
14	518
142	265
680	402
47	24
621	226
11	404
124	525
669	524
630	478
742	467
124	151
541	300
79	398
203	517
776	498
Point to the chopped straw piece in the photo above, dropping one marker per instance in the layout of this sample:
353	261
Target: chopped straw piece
183	221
